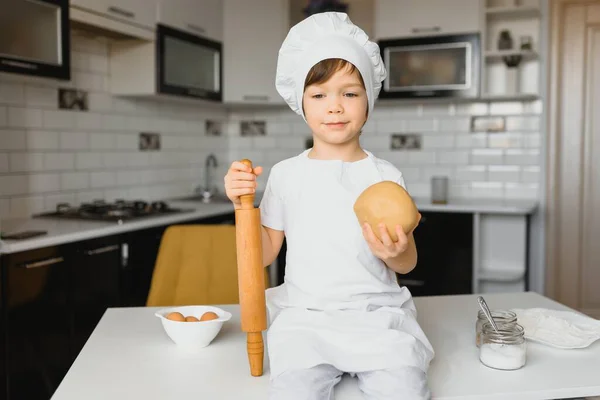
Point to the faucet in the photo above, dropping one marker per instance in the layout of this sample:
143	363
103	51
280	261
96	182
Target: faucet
210	160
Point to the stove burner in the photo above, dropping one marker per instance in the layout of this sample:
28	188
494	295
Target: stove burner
118	210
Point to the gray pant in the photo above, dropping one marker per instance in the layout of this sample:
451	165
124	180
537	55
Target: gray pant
318	383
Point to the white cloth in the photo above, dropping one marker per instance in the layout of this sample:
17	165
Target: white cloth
339	304
319	37
318	383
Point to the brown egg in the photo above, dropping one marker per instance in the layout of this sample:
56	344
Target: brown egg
176	316
191	319
207	316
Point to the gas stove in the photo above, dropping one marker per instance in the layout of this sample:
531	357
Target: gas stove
119	210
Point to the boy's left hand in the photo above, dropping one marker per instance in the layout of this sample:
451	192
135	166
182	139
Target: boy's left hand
385	248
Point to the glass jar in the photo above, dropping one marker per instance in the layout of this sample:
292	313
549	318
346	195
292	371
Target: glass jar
500	317
505	349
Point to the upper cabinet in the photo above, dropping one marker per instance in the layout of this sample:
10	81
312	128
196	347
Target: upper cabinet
250	50
131	17
411	18
199	17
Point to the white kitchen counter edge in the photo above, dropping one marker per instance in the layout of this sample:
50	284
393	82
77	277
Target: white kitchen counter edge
85	230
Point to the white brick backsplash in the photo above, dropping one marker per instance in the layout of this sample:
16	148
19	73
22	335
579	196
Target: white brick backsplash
88	161
12	93
505	140
59	161
472	140
521	190
523	123
422	125
460	157
26	162
390	125
522	157
74	180
3	116
486	156
504	173
530	174
41	96
443	141
24	117
102	179
506	108
12	139
456	124
3	162
42	140
21	207
58	119
470	173
74	140
102	141
48	155
487	189
421	157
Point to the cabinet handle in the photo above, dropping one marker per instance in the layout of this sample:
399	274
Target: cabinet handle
121	11
101	250
43	263
196	28
255	97
412	282
424	30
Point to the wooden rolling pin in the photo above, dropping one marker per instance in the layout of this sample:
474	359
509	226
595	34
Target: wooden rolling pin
251	279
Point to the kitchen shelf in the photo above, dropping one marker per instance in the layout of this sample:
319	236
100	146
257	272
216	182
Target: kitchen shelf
501	276
510	97
496	55
513	12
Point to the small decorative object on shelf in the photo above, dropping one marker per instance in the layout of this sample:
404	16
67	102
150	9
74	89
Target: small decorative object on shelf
526	42
505	41
512	73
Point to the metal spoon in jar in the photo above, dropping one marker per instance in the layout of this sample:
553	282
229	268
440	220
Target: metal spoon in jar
486	311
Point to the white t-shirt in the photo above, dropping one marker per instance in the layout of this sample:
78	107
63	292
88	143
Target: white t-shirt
329	265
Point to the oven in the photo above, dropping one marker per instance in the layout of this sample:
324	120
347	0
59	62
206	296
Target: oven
432	66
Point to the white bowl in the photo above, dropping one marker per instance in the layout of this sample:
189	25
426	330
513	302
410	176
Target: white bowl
193	334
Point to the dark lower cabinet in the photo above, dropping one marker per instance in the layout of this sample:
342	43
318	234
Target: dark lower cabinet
444	255
36	323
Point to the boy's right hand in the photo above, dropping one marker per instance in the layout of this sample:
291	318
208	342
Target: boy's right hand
240	180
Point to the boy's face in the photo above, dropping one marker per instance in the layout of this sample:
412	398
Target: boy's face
336	110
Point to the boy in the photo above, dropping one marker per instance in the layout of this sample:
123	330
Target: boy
340	308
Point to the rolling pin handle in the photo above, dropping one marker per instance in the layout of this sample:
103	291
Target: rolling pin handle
247	200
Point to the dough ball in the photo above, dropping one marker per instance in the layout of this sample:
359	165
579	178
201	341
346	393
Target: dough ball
389	203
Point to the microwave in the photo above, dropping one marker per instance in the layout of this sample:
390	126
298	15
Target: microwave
188	65
35	38
432	66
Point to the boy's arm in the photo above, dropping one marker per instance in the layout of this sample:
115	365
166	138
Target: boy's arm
406	261
272	240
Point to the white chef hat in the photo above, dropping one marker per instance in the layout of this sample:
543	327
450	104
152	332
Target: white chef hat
319	37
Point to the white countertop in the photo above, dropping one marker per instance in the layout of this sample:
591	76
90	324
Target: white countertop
62	231
129	356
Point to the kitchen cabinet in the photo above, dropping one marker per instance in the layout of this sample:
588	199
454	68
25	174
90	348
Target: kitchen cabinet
413	18
198	17
138	12
444	255
36	323
250	51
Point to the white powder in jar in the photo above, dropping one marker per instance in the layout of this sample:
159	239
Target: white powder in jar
503	356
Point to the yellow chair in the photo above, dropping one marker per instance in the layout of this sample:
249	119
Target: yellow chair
196	264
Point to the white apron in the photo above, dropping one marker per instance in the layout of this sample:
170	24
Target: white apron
339	304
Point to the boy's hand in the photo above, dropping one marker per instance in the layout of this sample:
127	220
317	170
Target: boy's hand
240	180
386	249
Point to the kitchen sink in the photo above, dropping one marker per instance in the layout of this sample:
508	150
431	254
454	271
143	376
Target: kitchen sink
219	198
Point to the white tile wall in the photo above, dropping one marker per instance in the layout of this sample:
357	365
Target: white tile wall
48	155
479	164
